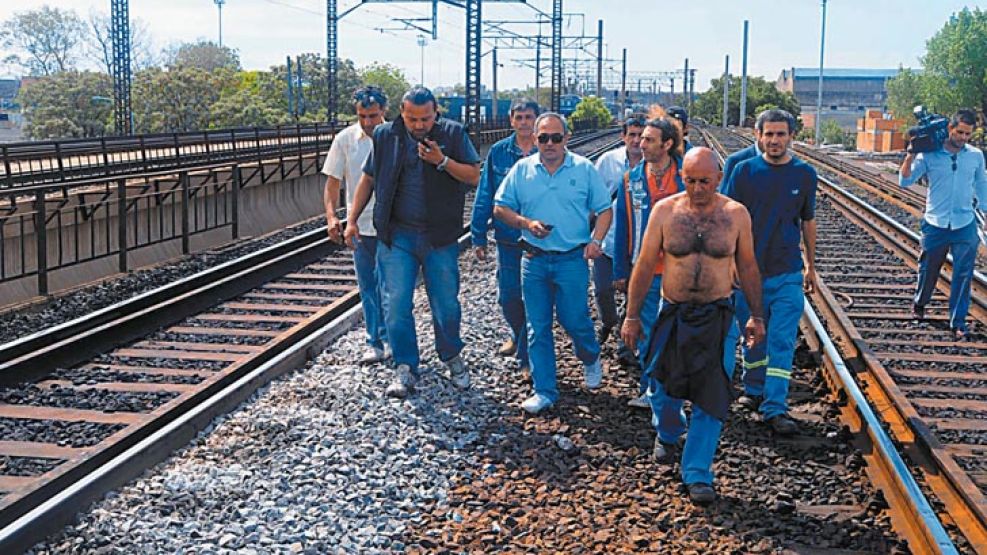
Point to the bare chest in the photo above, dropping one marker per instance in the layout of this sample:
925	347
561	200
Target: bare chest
709	235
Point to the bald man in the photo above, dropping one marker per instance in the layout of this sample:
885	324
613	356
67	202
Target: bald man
702	235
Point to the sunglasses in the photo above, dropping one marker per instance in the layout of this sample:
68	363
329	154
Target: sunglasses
367	98
554	137
953	158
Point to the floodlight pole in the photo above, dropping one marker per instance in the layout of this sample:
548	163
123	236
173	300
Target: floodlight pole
822	49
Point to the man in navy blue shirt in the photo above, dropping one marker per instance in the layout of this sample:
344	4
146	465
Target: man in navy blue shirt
500	159
779	191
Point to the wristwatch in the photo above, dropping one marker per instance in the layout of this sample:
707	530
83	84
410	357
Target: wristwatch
442	165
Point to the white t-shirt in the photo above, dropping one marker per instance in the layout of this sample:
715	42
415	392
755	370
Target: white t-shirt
347	153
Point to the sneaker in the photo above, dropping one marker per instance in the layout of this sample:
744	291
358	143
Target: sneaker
508	348
701	494
593	374
603	334
373	354
536	403
918	313
783	425
640	402
403	384
458	373
665	453
750	402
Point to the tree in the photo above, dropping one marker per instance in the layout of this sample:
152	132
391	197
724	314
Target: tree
760	92
590	113
204	55
315	87
254	101
46	39
100	43
178	99
904	93
68	104
389	78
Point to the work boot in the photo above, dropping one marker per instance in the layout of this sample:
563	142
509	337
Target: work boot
403	384
508	348
627	358
701	494
918	313
783	425
458	373
667	453
750	402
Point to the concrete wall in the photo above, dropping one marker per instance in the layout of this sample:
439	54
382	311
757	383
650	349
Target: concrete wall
263	207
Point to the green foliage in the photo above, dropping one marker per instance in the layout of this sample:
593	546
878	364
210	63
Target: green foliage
45	40
204	55
178	99
590	113
389	78
760	93
954	73
68	104
832	133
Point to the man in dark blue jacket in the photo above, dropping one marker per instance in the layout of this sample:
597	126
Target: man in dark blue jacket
419	172
500	159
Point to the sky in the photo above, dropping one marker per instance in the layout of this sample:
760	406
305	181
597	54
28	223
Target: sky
658	34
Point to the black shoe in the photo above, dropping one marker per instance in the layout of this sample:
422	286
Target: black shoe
627	358
701	494
918	313
750	402
783	425
668	453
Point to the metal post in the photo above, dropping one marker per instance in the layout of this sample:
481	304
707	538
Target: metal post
473	70
726	92
822	47
421	46
291	92
186	196
122	224
556	100
685	87
219	4
120	37
743	80
41	241
493	104
538	69
332	22
235	201
671	92
599	59
623	86
692	86
299	92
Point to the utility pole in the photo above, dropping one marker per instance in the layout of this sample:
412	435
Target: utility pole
421	45
291	92
599	58
219	4
123	117
493	104
299	91
743	80
822	49
556	103
726	93
692	86
538	70
685	87
623	86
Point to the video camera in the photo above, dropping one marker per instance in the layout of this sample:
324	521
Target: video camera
930	133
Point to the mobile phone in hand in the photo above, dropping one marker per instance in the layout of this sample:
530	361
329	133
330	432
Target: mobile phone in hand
549	227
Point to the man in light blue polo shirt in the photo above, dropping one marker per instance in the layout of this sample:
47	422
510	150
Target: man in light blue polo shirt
956	183
550	198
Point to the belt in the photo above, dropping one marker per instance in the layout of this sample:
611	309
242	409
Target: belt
533	251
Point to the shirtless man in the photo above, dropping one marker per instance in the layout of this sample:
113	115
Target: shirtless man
702	234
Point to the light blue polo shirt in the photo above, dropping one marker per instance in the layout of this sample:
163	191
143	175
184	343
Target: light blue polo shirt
955	180
565	200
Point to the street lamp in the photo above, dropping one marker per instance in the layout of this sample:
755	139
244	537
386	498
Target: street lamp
421	43
219	4
822	49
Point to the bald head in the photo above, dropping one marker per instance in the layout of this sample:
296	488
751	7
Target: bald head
701	174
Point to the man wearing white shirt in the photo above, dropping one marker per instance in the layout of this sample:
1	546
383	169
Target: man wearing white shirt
344	164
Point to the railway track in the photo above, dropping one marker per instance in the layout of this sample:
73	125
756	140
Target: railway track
89	404
930	391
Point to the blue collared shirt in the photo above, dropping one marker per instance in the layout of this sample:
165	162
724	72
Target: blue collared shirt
500	159
612	166
949	202
565	200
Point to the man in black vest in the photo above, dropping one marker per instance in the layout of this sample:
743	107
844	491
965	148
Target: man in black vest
419	171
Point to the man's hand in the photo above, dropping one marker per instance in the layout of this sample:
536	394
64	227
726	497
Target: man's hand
538	229
335	228
620	285
592	250
480	252
352	234
809	281
754	332
432	153
631	331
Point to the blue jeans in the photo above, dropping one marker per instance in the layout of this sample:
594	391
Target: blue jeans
556	284
704	430
603	291
409	252
369	279
768	367
649	314
936	242
509	296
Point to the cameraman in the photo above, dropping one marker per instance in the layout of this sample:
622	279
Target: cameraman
956	181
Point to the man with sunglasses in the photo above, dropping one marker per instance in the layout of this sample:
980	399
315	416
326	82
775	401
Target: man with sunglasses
551	198
612	167
344	165
418	172
957	186
500	159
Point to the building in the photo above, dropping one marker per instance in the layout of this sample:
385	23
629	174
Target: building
847	93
